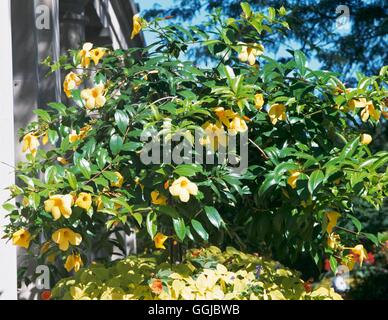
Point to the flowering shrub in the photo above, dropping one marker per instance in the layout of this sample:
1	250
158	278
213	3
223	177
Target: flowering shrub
206	274
307	150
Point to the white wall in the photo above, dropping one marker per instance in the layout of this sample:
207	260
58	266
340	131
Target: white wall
8	273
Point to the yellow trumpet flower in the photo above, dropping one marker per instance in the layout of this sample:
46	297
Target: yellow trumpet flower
225	116
62	160
99	203
231	120
72	81
277	112
74	136
84	54
159	240
158	199
361	252
249	52
59	205
349	261
183	188
45	139
332	217
30	143
120	180
84	201
94	98
237	125
97	54
64	237
45	247
357	103
368	109
22	238
73	262
215	135
84	131
293	179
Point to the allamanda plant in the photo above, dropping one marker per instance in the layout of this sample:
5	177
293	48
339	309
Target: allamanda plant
308	154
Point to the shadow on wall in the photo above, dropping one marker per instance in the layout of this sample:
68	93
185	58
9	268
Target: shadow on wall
32	87
30	78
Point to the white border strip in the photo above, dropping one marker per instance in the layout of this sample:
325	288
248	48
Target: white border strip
8	267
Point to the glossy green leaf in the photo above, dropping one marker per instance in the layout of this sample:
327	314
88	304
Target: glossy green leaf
333	264
316	178
122	120
102	158
188	170
180	228
84	167
152	227
116	144
214	217
43	114
300	60
71	178
60	107
269	182
200	230
246	9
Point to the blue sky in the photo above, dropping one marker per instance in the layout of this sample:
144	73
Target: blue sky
148	4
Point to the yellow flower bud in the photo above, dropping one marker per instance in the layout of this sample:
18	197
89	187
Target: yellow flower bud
62	161
137	25
365	139
259	101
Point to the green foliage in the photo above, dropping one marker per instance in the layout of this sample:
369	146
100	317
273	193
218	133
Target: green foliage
205	274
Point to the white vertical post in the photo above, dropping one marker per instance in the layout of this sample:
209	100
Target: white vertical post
8	267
